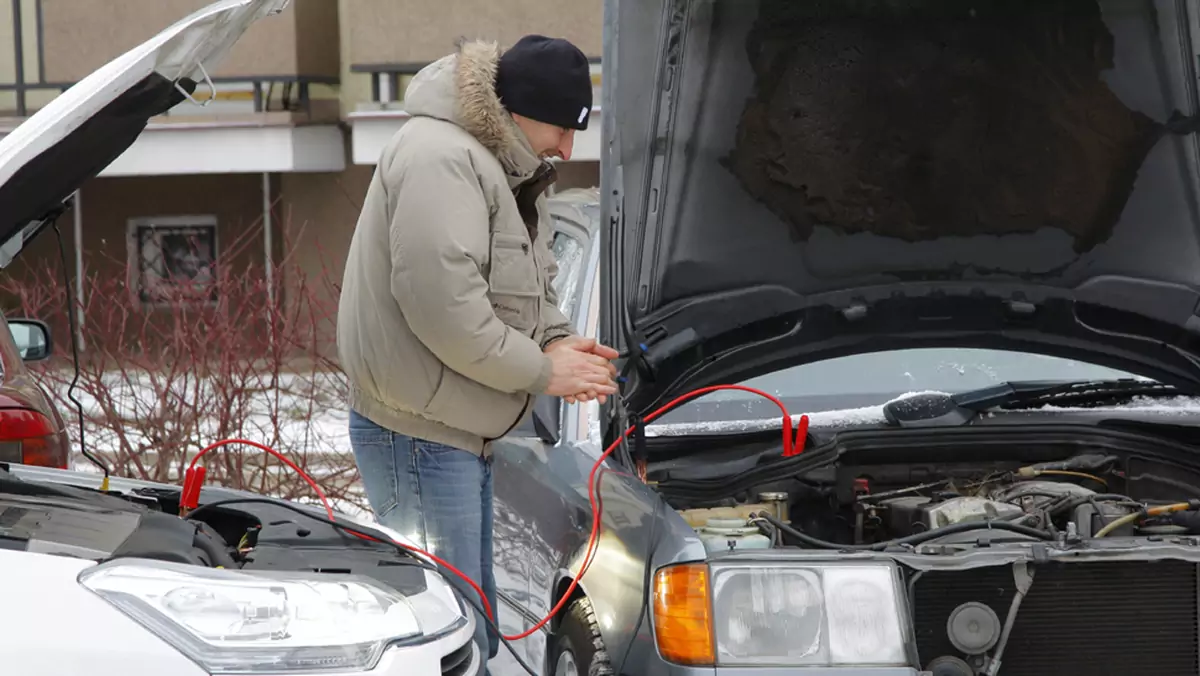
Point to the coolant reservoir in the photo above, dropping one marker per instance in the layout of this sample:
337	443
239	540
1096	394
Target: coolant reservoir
725	535
698	518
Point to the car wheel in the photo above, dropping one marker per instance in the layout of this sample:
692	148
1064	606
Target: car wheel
578	648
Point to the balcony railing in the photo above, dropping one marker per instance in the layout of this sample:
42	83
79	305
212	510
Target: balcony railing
387	79
18	89
283	84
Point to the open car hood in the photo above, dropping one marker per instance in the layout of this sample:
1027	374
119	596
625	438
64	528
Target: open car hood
49	156
787	182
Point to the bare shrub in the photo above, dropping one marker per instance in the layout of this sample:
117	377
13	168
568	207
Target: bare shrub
231	357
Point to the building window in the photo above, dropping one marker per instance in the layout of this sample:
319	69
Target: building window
173	259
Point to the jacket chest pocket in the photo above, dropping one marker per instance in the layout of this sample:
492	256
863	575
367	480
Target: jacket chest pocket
513	281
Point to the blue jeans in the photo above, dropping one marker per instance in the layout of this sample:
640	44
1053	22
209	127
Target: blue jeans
439	497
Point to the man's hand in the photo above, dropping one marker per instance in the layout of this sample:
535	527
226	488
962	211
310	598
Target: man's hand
595	354
584	345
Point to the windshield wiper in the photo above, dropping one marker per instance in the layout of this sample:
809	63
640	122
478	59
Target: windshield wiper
1084	393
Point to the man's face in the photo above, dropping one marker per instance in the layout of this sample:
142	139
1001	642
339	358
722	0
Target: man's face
547	140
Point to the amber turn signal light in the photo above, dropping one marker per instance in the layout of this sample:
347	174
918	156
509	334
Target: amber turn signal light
682	614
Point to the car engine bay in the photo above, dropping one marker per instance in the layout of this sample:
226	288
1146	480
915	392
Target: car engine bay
237	532
1068	501
886	489
1001	538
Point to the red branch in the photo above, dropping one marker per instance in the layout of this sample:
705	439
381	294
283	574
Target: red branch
160	382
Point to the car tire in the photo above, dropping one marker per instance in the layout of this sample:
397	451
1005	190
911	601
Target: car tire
578	648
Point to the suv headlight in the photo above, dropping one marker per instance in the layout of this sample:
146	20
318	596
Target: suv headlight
777	614
264	621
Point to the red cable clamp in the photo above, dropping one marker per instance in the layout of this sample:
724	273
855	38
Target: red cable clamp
794	446
193	480
862	486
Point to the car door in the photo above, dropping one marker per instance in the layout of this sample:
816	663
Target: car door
541	484
521	557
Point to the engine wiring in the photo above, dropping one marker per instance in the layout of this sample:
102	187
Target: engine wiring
793	444
1039	503
1160	510
910	540
1062	472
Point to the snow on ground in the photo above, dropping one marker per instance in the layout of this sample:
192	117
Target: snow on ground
295	414
289	412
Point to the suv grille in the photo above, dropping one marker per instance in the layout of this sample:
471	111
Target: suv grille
457	662
1115	619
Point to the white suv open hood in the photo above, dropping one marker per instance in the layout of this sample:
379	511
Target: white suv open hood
45	160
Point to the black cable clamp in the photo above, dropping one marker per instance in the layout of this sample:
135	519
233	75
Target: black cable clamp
633	357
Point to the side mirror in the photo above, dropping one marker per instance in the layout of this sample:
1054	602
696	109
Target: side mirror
542	422
32	339
547	414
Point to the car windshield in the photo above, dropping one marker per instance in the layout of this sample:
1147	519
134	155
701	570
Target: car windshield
863	381
568	251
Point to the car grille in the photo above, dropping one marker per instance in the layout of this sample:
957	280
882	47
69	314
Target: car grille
1110	619
458	662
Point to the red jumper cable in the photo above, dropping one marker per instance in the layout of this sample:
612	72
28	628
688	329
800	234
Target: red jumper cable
792	445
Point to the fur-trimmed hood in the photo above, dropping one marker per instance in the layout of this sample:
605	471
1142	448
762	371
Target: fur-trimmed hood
461	88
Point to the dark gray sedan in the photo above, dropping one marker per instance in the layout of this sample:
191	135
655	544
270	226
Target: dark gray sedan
963	240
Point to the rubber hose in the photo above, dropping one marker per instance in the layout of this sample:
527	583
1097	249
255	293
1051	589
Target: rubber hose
915	539
1152	511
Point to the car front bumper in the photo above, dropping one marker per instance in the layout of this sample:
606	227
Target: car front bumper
50	625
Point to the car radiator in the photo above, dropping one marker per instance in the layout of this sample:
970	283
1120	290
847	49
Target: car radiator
1101	619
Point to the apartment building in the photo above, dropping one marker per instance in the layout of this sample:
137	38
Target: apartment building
277	159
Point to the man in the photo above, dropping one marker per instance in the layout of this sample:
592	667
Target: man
448	324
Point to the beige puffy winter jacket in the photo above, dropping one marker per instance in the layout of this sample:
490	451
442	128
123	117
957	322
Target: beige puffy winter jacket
447	298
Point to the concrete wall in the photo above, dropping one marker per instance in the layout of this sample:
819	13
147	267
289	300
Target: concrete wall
420	31
80	35
114	313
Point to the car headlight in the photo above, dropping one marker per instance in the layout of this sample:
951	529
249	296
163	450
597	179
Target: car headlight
265	621
778	614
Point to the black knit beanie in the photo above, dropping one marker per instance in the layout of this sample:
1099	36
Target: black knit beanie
546	79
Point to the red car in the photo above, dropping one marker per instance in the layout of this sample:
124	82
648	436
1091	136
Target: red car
32	431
